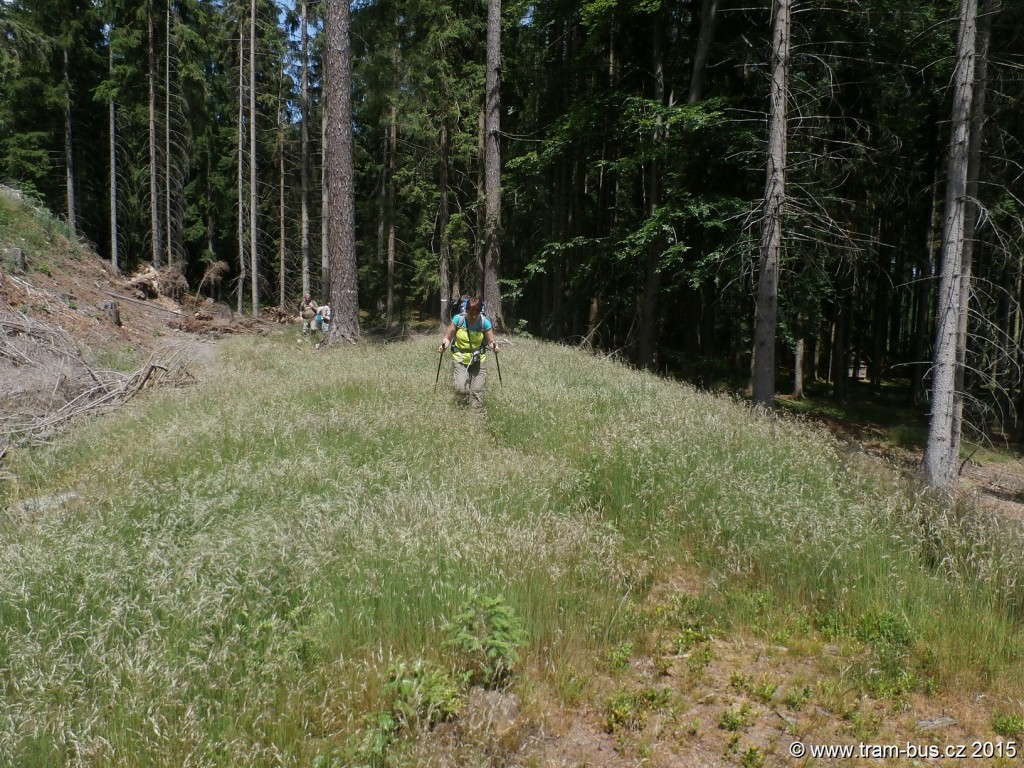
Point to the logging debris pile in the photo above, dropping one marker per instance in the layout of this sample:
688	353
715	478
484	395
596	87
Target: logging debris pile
79	339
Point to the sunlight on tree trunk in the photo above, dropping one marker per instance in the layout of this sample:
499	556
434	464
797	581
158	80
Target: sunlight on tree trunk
444	256
708	22
774	201
971	213
940	453
492	165
253	209
390	212
154	215
340	174
798	369
325	206
69	149
282	222
304	170
241	167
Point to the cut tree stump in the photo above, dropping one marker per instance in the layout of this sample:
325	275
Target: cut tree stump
112	310
14	259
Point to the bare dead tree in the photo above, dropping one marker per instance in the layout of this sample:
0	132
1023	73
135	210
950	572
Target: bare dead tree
765	318
942	446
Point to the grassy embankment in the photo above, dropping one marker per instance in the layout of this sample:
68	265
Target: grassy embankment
42	238
245	560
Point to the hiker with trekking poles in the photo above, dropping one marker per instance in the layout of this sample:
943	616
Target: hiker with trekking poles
469	335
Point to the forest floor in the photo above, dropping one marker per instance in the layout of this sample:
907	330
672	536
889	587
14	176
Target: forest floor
741	700
992	475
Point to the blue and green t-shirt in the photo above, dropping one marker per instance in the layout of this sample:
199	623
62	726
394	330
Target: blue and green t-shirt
469	339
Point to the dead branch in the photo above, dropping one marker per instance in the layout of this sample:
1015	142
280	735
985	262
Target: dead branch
142	302
107	390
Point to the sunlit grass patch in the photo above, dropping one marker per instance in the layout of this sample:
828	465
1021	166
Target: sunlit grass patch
233	568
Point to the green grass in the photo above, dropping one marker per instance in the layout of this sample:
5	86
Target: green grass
124	359
246	559
45	239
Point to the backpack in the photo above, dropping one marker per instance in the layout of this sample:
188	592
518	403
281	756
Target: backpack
458	306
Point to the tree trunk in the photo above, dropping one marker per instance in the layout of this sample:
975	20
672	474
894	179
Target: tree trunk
443	215
815	366
840	365
607	185
492	167
646	353
382	205
708	22
922	316
765	317
940	453
112	118
389	212
1002	372
1018	340
798	369
304	171
167	143
280	209
325	204
241	166
971	213
475	285
552	284
593	322
154	212
253	211
69	151
702	299
340	172
880	319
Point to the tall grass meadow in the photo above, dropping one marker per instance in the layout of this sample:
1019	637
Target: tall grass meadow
223	575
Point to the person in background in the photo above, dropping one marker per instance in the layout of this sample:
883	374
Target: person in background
307	312
469	335
322	322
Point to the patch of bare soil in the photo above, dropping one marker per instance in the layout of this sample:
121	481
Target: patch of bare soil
730	699
748	702
83	339
999	486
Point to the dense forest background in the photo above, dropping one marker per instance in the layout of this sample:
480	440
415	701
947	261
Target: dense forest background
633	140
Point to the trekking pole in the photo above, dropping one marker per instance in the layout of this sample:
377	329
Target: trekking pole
437	378
497	362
